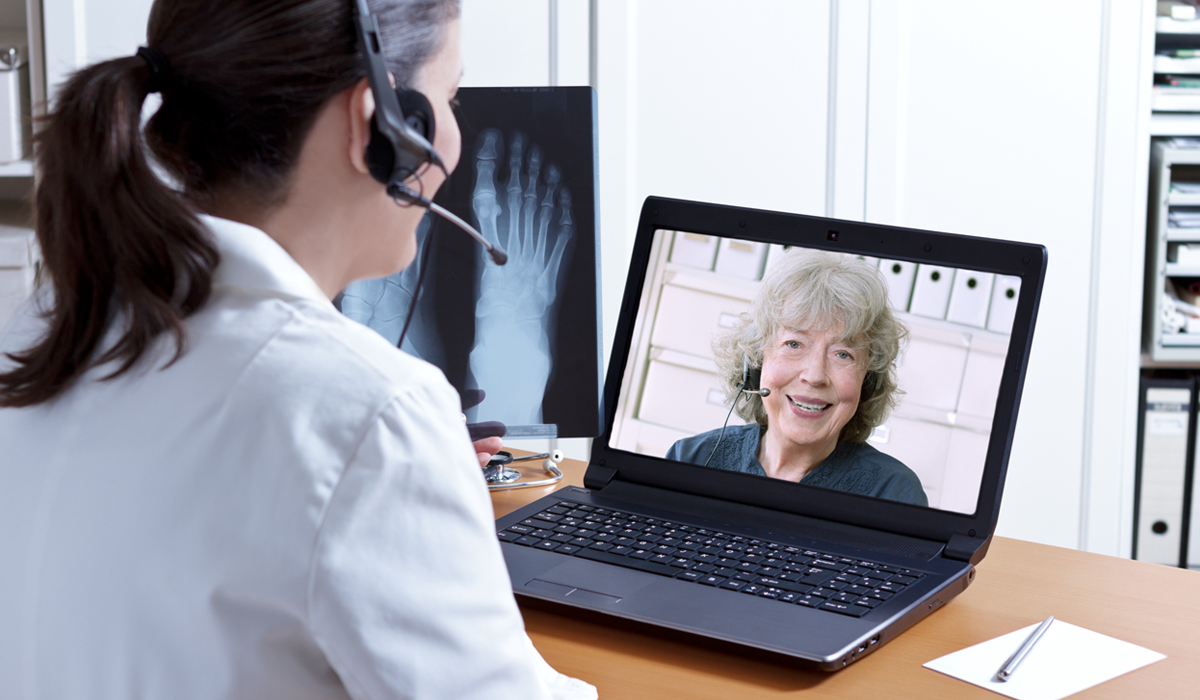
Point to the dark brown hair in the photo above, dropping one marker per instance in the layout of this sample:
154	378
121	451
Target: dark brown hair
246	80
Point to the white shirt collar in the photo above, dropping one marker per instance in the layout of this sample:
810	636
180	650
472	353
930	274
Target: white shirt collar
251	259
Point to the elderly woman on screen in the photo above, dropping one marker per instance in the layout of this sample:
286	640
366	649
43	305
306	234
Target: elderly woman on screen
821	340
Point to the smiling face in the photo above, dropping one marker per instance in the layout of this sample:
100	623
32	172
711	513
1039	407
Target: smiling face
816	379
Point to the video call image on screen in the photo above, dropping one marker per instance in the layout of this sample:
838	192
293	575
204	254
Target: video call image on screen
525	333
895	403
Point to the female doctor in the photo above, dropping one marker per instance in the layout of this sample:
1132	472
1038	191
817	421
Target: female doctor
212	484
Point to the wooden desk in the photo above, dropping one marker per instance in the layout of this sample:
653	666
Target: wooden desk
1019	583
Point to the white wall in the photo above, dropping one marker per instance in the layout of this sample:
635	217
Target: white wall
970	136
81	32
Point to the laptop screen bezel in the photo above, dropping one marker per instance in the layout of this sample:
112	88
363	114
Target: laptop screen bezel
1024	260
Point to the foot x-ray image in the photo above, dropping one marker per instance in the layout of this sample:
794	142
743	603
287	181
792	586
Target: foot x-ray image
524	336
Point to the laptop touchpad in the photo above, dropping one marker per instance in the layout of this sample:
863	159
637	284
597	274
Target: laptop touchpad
587	581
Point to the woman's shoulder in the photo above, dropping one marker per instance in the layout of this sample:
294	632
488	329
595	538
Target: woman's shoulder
306	350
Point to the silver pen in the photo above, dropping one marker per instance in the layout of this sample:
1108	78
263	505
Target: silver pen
1019	655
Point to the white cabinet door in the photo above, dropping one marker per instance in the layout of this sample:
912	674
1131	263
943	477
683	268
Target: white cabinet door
731	102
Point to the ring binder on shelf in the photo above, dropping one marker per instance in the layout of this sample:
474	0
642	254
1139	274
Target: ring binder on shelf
1166	444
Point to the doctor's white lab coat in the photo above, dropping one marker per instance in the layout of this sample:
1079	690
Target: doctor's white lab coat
291	510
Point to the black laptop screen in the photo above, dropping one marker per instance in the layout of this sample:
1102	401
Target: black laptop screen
881	377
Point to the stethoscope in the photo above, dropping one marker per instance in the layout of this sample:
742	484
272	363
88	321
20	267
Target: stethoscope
499	476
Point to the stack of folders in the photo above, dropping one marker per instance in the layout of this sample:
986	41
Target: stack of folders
1164	529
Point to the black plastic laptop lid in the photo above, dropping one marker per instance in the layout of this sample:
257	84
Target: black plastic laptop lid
857	373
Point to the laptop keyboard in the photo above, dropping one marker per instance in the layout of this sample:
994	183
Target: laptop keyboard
780	572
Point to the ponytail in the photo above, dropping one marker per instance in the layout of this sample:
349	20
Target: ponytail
116	241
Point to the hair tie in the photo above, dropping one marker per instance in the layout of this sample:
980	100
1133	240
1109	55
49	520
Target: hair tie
160	68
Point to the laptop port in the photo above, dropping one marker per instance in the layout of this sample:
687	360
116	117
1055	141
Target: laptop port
874	640
862	649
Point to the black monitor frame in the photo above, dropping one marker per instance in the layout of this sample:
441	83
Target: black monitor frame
966	535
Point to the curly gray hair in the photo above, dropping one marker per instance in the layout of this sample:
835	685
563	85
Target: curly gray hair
812	289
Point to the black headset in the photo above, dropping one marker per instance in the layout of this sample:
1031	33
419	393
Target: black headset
402	132
403	127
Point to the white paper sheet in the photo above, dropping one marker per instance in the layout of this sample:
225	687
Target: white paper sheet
1066	660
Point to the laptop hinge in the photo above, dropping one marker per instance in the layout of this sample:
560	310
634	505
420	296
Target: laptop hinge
597	477
964	548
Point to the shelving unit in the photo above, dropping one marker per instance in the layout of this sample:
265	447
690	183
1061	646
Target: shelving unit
1174	158
1172	163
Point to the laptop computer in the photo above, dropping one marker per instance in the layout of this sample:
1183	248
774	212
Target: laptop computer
689	520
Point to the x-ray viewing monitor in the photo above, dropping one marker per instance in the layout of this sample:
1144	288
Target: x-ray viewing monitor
695	317
527	334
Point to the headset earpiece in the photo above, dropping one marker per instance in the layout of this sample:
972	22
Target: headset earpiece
751	378
869	387
418	113
418	116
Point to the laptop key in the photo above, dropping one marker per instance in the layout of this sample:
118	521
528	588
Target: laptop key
557	510
891	587
810	601
600	546
712	580
580	542
868	602
547	544
789	596
521	529
641	554
527	541
690	576
620	549
566	549
772	593
508	536
752	588
844	608
903	580
627	562
829	565
816	577
734	584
